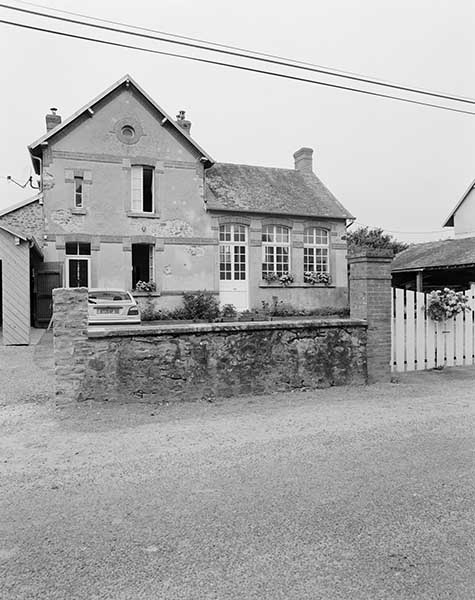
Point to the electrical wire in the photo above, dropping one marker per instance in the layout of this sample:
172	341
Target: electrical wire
359	224
231	66
241	54
189	38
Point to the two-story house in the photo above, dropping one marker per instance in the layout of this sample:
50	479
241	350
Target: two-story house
128	195
444	263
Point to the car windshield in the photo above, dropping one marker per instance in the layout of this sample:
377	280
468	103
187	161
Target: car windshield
108	296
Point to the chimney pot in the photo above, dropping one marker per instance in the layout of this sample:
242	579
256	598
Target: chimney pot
304	160
183	122
52	119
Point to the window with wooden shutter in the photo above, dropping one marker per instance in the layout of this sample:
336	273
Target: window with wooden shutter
142	189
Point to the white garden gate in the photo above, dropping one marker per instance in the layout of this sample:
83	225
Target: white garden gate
420	343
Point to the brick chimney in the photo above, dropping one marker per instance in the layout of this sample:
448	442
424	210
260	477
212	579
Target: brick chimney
183	122
52	119
303	160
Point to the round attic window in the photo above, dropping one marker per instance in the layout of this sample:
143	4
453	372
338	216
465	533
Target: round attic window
128	131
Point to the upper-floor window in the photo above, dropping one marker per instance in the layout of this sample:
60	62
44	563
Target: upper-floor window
275	250
78	192
142	189
315	250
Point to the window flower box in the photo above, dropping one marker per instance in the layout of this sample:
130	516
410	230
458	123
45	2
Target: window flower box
285	279
316	277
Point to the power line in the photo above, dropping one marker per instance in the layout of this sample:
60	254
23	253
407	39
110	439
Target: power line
232	66
189	38
399	232
241	54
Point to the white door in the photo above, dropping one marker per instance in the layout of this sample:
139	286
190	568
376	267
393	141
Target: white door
233	266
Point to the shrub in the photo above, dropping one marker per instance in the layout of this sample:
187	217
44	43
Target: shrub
200	305
228	311
147	312
446	303
278	308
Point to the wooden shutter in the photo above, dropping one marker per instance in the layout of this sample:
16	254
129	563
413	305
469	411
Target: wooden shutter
137	189
86	194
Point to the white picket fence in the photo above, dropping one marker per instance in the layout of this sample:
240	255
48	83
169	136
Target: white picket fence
420	343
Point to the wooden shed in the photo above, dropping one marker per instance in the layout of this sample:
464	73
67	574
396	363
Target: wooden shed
17	254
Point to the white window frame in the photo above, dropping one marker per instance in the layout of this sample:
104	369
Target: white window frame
76	193
70	257
77	256
276	231
231	230
315	245
151	262
136	183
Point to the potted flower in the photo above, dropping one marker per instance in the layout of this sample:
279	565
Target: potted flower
270	277
286	279
446	303
146	286
315	277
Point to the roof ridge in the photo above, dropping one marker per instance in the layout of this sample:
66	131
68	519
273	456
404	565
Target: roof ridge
217	163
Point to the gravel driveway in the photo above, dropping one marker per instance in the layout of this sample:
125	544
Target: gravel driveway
362	493
26	372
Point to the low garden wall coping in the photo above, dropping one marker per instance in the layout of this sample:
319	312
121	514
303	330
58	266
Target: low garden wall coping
187	328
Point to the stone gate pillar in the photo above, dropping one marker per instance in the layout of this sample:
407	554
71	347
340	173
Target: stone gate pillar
69	342
370	299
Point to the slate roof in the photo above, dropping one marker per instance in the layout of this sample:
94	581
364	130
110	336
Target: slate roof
245	188
432	255
14	233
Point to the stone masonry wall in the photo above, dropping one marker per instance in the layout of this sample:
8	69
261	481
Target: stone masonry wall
28	220
70	343
195	361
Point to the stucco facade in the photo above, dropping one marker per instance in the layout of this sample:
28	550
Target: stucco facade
92	226
462	217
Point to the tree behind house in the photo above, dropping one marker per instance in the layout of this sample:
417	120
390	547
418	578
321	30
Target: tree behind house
367	237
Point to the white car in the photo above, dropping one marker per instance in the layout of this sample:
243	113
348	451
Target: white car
112	307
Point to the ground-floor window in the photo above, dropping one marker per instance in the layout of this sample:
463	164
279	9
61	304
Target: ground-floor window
142	263
78	271
316	250
275	250
232	252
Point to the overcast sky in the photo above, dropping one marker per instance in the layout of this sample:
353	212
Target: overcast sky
399	166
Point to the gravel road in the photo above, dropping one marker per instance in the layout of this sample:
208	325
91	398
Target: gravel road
363	493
